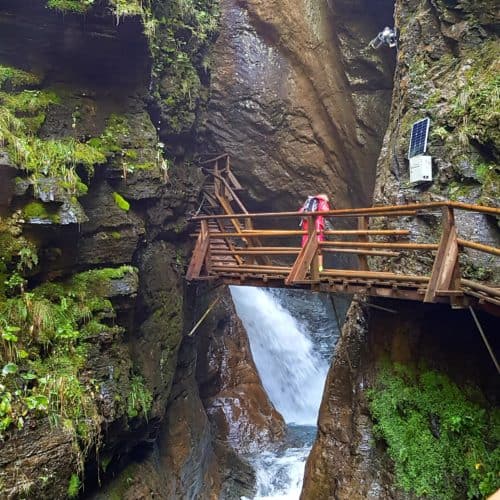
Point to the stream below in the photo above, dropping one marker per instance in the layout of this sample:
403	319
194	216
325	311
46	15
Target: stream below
292	336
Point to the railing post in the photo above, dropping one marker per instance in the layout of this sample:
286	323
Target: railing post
307	258
445	275
217	182
208	258
201	253
363	223
314	268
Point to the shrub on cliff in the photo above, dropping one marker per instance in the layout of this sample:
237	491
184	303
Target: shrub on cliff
442	439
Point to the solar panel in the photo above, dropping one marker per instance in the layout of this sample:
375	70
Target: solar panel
418	139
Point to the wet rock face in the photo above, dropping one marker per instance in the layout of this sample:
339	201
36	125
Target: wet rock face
299	109
126	212
346	460
217	412
230	386
446	67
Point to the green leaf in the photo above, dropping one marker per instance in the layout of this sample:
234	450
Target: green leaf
8	369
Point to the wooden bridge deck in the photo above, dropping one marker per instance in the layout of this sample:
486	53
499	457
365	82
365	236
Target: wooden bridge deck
230	249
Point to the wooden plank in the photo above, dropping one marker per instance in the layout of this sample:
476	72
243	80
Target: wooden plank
213	160
199	253
228	242
306	256
329	214
446	270
229	210
375	274
242	270
479	296
489	290
259	268
334	232
255	252
441	277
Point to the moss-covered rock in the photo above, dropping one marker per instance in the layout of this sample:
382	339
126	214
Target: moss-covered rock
440	437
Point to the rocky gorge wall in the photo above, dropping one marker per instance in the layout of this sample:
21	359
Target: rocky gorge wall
298	100
93	233
369	446
99	121
349	458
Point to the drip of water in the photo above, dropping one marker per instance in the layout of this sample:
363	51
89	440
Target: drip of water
293	373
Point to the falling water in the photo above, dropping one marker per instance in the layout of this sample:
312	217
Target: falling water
293	371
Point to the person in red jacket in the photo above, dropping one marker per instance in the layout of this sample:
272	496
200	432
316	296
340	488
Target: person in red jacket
317	203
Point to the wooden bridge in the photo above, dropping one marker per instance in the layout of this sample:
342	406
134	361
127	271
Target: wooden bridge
262	249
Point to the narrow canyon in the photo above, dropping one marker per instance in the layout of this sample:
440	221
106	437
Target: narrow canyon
122	376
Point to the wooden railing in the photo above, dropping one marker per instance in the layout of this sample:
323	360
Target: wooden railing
241	257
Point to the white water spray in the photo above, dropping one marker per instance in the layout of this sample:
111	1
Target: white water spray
293	374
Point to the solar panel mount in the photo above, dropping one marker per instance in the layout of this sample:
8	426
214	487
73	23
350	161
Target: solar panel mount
418	139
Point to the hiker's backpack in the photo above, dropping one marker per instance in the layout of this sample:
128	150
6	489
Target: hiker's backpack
311	204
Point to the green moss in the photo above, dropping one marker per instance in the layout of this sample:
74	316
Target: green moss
476	106
35	209
121	202
99	283
38	210
21	116
14	78
34	123
76	6
52	324
187	28
29	101
114	135
74	486
128	7
443	440
139	398
458	190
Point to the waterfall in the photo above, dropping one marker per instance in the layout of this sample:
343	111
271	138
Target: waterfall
293	372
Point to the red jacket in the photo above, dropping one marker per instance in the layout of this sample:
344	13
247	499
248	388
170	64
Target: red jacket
322	206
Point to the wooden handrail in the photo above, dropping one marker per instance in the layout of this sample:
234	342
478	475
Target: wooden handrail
219	254
231	192
213	160
333	232
379	244
478	246
377	211
271	233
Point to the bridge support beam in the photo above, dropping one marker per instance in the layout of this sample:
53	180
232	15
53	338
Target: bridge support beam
445	275
307	259
200	252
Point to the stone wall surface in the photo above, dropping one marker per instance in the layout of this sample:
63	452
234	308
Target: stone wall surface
217	413
447	55
347	459
111	226
447	66
298	100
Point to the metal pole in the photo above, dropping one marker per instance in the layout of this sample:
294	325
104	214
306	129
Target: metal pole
485	340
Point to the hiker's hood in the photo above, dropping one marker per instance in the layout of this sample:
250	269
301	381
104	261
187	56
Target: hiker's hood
322	197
